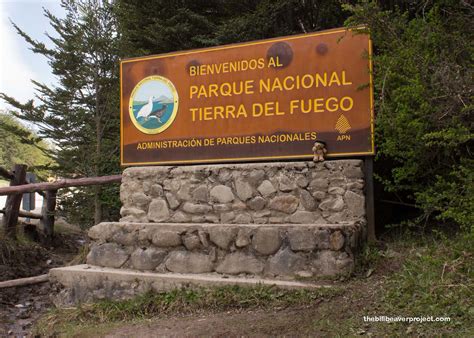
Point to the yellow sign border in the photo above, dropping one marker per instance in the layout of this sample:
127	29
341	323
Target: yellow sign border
173	113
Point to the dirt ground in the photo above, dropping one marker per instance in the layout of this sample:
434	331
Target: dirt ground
312	320
20	307
359	296
335	314
309	320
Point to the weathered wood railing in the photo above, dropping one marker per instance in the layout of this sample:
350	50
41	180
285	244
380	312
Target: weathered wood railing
19	186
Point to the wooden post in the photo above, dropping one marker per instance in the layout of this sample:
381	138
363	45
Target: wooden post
48	212
369	198
12	205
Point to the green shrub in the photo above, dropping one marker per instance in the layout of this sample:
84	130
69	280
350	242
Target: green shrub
423	102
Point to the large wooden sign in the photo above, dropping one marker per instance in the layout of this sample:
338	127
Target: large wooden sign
262	100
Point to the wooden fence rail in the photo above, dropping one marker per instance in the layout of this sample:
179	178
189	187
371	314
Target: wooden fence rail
27	214
63	183
48	190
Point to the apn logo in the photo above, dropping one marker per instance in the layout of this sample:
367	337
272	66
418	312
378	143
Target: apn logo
343	126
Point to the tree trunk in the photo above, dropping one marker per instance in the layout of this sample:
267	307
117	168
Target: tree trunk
98	153
97	206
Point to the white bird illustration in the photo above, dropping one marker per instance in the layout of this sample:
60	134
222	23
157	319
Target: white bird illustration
146	110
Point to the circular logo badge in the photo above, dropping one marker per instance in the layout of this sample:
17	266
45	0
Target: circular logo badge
153	104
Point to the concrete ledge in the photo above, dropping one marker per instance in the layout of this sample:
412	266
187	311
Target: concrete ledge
86	283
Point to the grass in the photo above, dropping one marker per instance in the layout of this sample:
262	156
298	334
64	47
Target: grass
408	276
180	301
436	280
430	276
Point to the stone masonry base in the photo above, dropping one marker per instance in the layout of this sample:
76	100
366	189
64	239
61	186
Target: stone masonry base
279	222
277	251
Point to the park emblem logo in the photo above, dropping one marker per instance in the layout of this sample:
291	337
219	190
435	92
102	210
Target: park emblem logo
153	104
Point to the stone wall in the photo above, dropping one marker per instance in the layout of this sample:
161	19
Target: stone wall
260	193
279	251
224	224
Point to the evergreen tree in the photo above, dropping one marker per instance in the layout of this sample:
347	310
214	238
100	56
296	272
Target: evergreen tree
158	26
81	114
19	145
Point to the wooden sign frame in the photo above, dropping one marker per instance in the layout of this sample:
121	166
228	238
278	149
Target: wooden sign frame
189	101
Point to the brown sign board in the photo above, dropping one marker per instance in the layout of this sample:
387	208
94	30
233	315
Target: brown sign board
262	100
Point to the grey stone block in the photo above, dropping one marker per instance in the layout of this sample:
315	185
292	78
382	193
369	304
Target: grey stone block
303	217
238	262
194	208
135	212
140	200
266	188
222	237
180	217
266	241
156	190
319	184
301	240
166	238
158	210
256	177
243	237
336	191
257	203
191	241
243	189
222	207
302	182
285	183
355	186
355	203
222	194
125	238
243	218
307	201
353	172
103	231
284	203
147	259
336	240
109	255
201	194
333	204
285	263
227	217
189	262
172	200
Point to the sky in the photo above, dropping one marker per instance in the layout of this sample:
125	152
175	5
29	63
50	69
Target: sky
152	88
18	64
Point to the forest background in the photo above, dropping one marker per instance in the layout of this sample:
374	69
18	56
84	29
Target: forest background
423	53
